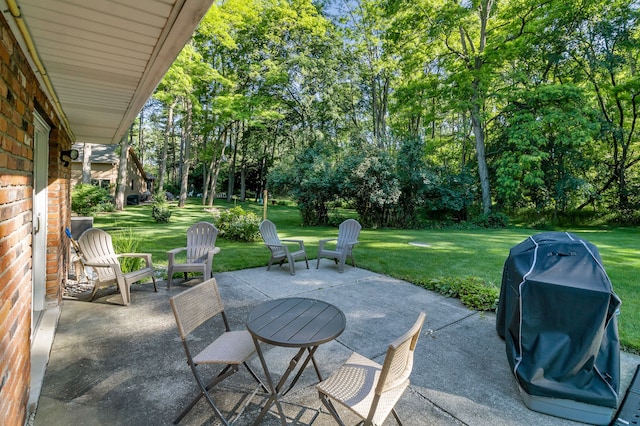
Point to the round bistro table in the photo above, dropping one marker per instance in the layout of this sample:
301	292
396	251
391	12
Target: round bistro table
293	322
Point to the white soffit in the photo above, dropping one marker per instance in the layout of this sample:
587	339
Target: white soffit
104	58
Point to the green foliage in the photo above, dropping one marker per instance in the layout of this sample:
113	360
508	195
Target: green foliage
312	182
160	209
237	224
545	134
473	292
88	200
127	242
367	178
447	194
412	173
491	220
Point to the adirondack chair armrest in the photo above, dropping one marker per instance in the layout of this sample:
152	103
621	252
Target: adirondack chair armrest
176	250
212	252
324	241
278	246
299	242
145	256
115	266
171	254
102	265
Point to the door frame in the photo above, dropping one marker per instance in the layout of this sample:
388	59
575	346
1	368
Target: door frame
40	216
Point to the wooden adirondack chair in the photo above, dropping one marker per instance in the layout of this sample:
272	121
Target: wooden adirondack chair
348	233
279	251
98	253
201	247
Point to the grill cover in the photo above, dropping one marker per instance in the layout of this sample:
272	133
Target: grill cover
557	314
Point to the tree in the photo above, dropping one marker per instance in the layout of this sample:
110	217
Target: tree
121	185
605	52
86	163
367	176
546	133
467	46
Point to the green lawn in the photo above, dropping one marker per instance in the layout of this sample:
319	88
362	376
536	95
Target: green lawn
448	253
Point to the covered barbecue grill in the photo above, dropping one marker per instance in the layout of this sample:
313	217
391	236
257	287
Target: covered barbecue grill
558	315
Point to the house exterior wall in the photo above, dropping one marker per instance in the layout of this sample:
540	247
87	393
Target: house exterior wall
20	95
136	182
99	172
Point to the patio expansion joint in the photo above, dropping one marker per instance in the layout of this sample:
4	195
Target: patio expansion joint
438	407
430	332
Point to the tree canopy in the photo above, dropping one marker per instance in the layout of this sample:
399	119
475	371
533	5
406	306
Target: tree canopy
407	111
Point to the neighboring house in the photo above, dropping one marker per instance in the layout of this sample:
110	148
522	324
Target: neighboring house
105	160
71	71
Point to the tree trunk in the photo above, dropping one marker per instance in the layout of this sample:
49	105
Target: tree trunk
243	182
186	155
233	138
141	147
86	163
167	134
214	166
122	173
483	170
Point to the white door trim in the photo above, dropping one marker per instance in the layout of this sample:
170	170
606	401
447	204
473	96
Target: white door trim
39	235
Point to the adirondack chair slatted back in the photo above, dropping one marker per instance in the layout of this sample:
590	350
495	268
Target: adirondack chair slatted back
97	247
270	237
348	232
201	237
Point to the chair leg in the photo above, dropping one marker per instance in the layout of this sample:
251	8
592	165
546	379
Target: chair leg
292	265
395	415
169	277
155	288
255	376
325	401
204	391
124	292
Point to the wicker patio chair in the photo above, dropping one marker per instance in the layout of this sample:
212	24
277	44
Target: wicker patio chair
193	308
348	233
279	251
97	252
200	249
371	390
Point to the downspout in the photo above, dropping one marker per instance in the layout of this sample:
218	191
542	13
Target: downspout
14	9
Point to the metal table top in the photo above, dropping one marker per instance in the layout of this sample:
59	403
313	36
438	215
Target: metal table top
296	322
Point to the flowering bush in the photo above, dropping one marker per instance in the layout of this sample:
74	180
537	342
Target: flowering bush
237	224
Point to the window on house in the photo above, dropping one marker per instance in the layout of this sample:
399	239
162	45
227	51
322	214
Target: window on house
102	183
132	186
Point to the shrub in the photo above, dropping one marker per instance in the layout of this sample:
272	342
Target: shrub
492	220
473	292
160	209
88	200
237	224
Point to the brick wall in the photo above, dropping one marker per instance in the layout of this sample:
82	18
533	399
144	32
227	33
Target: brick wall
20	94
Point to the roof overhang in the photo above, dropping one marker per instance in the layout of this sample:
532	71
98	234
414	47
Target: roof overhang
100	60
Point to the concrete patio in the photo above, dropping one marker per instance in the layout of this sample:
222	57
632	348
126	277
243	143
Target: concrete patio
114	365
